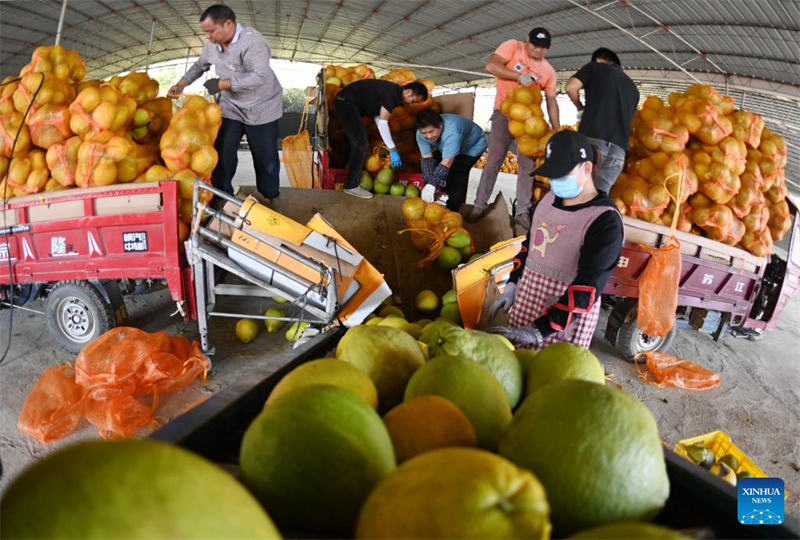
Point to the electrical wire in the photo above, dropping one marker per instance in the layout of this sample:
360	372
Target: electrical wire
7	230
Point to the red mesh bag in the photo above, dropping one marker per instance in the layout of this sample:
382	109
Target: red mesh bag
717	181
748	197
757	219
663	369
10	125
778	191
62	160
656	128
109	374
759	243
780	220
49	125
716	220
747	127
431	226
773	147
643	200
658	289
7	95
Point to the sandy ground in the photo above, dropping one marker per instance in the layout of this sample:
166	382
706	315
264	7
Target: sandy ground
758	403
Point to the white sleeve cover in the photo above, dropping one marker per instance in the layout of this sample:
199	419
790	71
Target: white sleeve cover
386	133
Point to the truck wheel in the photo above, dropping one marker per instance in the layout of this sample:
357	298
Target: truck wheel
631	341
76	314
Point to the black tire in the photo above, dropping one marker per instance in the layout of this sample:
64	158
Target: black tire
77	314
631	341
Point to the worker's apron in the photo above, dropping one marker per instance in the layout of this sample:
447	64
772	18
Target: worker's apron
549	270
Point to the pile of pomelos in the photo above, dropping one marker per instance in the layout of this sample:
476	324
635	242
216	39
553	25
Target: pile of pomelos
438	232
410	431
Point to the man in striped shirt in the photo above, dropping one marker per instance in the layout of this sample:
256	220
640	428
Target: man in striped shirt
249	93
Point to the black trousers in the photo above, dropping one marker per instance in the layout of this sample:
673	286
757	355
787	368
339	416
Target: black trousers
353	126
458	179
263	141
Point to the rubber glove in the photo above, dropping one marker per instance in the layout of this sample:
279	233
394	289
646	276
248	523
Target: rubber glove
428	193
504	301
526	79
394	156
212	85
519	336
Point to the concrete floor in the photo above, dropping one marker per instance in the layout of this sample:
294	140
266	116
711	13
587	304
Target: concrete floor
757	404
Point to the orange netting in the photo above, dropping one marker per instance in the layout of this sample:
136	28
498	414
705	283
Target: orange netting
107	377
658	289
666	370
297	155
431	226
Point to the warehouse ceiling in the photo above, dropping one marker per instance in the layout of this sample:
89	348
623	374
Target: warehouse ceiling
753	46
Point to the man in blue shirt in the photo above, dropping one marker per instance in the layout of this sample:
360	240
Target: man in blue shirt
460	143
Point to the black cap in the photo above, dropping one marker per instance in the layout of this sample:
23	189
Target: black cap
563	152
539	36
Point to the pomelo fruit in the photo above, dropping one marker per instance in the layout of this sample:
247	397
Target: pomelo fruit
563	361
375	321
459	240
632	530
130	489
425	423
246	330
424	348
336	81
385	176
414	209
380	188
397	189
466	253
449	258
600	458
434	213
412	191
391	310
415	330
449	297
472	388
451	313
366	181
504	341
456	493
279	299
525	357
387	355
328	371
431	330
475	256
295	331
424	322
273	326
312	457
426	301
396	322
483	348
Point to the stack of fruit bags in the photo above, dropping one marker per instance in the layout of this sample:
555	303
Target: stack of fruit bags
730	166
437	232
412	430
523	108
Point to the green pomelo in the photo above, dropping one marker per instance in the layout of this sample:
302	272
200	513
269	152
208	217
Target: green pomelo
466	253
380	188
366	181
431	330
426	302
313	456
563	361
328	371
273	326
424	322
459	240
385	176
456	493
475	256
599	457
525	357
387	355
452	313
397	189
472	388
391	310
482	348
130	489
375	321
412	191
140	118
449	258
630	531
449	297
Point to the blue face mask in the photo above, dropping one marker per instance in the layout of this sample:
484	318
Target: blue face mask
566	187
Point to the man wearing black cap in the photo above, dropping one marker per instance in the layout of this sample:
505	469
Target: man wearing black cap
572	249
611	102
516	63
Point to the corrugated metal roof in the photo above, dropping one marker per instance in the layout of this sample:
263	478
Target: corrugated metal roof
718	38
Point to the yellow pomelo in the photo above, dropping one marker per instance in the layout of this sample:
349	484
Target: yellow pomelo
391	310
472	388
204	160
375	321
328	371
273	326
130	489
395	322
504	341
600	458
295	331
562	361
387	355
425	423
424	347
456	493
632	530
246	330
525	357
313	456
426	301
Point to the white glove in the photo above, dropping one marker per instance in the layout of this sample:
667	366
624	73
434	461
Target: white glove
504	301
526	79
428	193
579	115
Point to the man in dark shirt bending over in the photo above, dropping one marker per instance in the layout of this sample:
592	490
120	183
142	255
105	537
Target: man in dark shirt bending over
374	98
611	101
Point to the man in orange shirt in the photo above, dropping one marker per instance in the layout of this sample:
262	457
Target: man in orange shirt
516	63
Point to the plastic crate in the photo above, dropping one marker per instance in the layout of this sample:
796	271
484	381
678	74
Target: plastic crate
720	443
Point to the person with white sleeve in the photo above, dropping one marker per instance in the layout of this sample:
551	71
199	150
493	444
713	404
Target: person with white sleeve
450	146
376	99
